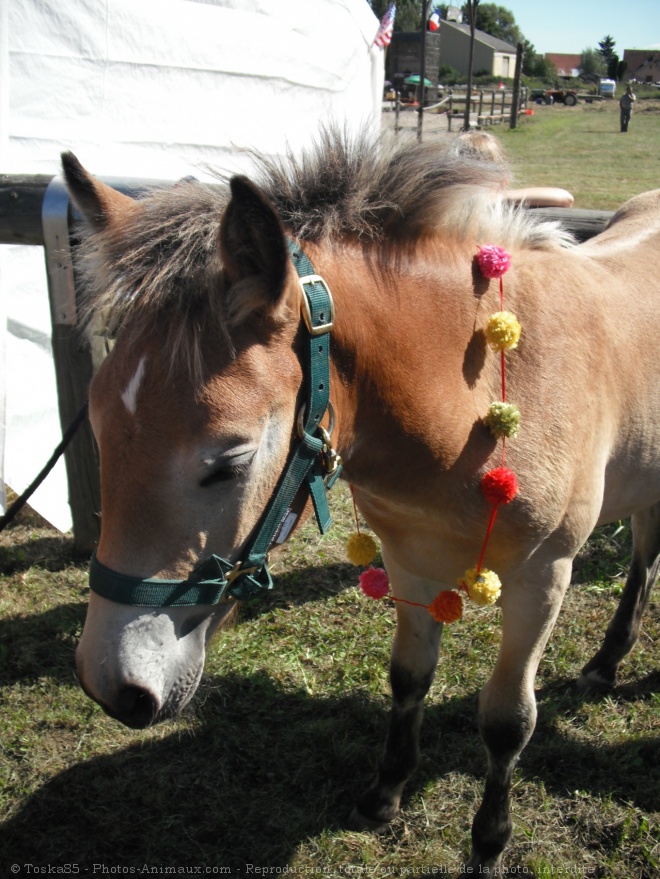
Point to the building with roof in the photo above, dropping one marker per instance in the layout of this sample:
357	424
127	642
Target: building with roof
567	65
642	65
491	56
404	55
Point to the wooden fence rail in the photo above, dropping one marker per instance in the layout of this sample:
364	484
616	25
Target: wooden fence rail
487	106
34	210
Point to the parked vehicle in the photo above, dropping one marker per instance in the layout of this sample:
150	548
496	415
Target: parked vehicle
563	96
555	96
607	88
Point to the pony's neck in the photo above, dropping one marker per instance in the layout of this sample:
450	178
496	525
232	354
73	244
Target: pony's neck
403	359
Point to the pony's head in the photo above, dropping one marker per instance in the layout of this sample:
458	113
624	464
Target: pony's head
193	412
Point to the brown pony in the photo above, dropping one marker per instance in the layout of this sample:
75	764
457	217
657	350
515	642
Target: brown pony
195	414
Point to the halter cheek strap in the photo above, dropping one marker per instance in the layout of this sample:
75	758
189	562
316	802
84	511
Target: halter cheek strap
313	465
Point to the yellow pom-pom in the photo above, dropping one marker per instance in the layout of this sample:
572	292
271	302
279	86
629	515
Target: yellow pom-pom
361	549
503	331
483	588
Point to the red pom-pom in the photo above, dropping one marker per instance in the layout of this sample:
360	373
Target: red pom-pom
493	261
446	607
374	582
499	486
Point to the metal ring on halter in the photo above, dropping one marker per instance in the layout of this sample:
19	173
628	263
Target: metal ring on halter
300	423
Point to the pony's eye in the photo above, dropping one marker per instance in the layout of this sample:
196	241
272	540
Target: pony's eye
226	472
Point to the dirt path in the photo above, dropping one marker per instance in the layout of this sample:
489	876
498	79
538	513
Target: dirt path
434	125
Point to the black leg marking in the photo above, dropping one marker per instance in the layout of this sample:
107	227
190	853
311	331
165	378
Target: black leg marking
492	824
623	630
380	804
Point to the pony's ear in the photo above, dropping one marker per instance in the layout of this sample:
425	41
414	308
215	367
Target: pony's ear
99	204
253	244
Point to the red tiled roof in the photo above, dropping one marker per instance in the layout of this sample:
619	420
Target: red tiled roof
564	62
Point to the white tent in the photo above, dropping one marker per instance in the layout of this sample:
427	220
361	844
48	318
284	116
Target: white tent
155	89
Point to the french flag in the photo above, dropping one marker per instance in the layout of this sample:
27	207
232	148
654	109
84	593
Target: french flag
434	20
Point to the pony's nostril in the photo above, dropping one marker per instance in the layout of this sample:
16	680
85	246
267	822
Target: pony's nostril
136	707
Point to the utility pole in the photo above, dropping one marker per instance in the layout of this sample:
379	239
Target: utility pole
422	71
515	99
472	12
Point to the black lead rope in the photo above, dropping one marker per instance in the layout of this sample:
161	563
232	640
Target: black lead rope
20	502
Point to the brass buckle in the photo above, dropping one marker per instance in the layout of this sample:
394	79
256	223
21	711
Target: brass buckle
238	571
331	458
306	310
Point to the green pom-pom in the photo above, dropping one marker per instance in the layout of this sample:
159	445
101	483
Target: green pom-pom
503	420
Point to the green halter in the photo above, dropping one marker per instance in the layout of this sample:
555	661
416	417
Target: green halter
313	462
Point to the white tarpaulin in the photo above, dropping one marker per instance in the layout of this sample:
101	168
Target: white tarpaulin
156	89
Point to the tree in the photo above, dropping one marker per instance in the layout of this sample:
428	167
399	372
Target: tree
592	65
530	60
543	69
408	13
613	64
606	48
498	22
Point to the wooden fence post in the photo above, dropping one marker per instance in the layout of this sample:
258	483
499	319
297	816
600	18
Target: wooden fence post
72	358
515	99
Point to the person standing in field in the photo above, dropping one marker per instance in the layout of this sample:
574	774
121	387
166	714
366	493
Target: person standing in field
626	103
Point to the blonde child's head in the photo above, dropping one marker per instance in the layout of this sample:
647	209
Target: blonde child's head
480	145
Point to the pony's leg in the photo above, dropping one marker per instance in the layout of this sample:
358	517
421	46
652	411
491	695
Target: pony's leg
507	705
623	630
412	667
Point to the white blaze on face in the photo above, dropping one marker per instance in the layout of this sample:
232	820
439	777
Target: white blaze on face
129	396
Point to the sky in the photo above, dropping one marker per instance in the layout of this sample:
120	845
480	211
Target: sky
571	26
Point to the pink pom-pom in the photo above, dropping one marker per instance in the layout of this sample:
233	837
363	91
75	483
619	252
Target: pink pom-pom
493	261
499	486
374	582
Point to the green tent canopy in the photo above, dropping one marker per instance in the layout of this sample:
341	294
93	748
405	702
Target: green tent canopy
414	80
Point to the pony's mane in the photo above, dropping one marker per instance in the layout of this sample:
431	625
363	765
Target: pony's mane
393	190
163	262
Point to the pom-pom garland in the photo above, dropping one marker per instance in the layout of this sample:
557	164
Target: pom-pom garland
503	420
499	486
361	549
503	331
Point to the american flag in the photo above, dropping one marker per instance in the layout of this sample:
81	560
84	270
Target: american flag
384	35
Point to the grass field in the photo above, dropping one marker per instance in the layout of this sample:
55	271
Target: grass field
578	148
582	149
286	730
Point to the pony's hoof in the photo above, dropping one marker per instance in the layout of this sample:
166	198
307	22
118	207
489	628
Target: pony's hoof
358	821
477	866
595	680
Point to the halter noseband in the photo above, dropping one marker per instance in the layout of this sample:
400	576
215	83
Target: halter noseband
313	463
